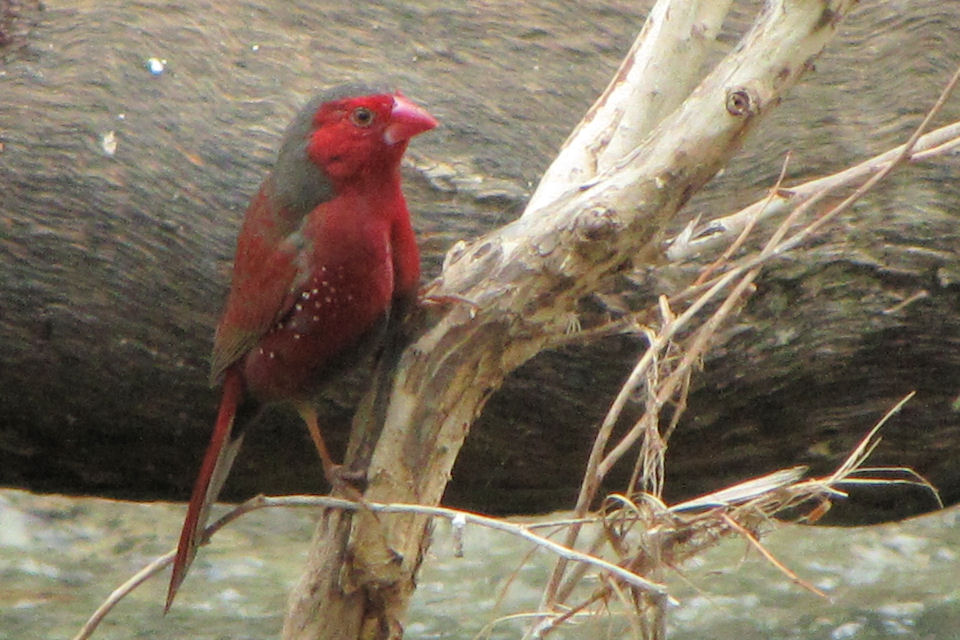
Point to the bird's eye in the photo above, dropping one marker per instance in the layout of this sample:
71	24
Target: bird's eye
362	117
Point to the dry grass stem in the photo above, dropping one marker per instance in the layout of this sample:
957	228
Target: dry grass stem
666	380
664	371
755	543
648	537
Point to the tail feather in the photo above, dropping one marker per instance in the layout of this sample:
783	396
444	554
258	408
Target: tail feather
221	451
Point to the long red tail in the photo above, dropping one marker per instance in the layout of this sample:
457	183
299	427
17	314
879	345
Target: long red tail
216	465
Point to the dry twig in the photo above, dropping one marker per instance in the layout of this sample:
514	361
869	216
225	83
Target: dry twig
262	502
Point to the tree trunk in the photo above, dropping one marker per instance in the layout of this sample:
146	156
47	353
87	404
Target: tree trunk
115	260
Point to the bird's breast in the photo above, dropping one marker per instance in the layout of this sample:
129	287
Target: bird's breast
338	310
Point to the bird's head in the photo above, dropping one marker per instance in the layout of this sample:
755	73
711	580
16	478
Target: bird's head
365	133
341	134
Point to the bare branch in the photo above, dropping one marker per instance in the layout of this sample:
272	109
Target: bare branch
676	36
716	233
121	592
917	148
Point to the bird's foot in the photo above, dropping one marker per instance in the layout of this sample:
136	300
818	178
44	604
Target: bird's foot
349	482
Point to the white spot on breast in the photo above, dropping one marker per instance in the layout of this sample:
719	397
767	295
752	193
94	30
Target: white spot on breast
298	307
327	299
316	318
272	355
296	336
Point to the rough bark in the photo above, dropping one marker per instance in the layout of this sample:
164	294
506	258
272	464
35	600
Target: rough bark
114	266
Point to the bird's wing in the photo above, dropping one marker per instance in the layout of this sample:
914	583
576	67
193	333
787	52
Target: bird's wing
266	275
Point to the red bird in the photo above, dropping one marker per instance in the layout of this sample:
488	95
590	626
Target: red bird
325	252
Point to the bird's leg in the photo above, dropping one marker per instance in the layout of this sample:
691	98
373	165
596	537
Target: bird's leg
309	415
336	475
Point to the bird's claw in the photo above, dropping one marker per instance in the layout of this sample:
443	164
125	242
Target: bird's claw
348	481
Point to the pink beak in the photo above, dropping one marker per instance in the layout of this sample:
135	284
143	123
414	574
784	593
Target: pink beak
407	120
